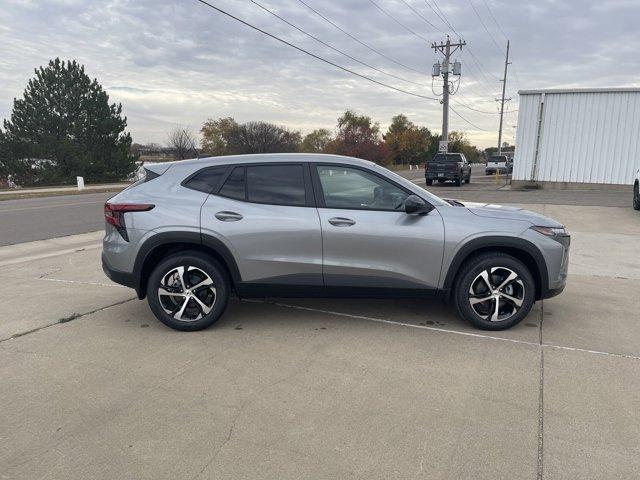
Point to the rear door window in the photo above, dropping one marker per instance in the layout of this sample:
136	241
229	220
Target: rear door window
234	185
206	180
276	184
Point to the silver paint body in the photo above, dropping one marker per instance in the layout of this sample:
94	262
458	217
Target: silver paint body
297	245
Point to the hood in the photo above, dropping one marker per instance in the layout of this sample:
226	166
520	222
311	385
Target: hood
498	211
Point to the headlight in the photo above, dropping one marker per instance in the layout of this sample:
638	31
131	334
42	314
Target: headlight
550	232
559	234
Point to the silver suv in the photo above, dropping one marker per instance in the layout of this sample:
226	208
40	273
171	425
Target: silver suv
190	233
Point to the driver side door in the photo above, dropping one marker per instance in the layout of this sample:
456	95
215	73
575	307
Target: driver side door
369	243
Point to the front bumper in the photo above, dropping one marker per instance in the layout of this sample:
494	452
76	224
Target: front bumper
558	276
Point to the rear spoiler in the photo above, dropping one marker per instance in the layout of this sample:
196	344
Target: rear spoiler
157	168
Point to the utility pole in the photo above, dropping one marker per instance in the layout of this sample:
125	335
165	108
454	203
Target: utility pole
446	49
503	100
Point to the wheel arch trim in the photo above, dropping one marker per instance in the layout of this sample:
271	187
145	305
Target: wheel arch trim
165	239
499	242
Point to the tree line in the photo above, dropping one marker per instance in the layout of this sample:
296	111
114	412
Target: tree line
355	135
64	126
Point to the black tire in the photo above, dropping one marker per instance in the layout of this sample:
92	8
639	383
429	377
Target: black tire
429	181
496	265
194	264
636	197
457	182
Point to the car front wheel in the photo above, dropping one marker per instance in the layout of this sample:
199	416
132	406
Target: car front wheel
188	291
494	291
636	197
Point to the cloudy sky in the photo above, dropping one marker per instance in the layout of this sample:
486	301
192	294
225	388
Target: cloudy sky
179	62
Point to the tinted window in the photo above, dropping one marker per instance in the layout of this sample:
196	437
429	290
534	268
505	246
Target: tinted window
345	187
234	185
276	184
206	180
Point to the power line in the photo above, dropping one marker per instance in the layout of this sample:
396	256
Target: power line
353	37
515	73
485	27
423	38
420	15
355	59
398	21
329	62
444	18
494	20
334	48
454	31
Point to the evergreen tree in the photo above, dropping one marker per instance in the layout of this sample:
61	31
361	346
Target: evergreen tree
64	126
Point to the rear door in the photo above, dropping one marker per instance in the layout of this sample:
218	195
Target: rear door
265	214
368	241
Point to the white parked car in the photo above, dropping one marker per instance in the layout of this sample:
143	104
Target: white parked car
636	190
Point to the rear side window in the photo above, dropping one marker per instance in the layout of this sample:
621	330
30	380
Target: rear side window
234	185
143	175
276	184
206	180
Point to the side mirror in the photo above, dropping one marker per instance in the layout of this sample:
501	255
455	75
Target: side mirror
414	205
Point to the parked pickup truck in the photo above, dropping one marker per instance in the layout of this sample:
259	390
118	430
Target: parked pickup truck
498	163
448	166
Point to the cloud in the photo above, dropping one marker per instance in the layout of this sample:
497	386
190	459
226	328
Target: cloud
179	62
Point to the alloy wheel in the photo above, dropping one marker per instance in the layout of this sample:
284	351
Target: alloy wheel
187	293
496	294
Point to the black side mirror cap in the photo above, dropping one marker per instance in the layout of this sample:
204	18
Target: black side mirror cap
414	205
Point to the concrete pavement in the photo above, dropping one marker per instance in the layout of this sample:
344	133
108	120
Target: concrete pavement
321	389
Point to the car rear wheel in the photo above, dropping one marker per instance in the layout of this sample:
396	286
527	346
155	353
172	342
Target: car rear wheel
188	291
636	197
494	291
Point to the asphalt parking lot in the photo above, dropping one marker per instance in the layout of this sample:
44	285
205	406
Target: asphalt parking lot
94	387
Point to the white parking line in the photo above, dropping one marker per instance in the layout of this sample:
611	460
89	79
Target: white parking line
83	283
446	330
29	258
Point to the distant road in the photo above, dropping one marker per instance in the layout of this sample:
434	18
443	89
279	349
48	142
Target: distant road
32	219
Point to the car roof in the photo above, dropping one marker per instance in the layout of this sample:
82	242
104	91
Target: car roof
271	157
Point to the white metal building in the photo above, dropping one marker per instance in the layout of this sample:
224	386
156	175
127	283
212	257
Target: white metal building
580	136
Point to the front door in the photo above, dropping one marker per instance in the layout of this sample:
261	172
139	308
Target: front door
368	240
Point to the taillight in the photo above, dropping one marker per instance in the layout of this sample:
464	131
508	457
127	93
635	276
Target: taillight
114	214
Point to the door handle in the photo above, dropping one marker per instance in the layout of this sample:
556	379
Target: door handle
228	216
341	222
